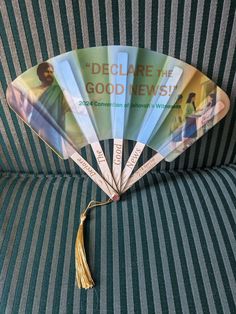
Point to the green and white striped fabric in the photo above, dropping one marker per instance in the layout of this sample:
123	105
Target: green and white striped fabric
201	33
168	248
169	245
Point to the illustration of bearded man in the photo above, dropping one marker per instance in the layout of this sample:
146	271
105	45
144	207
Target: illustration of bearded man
44	108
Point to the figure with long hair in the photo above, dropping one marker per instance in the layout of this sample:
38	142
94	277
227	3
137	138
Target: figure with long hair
45	109
190	130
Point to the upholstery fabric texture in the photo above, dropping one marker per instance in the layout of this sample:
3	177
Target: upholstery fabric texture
202	33
169	245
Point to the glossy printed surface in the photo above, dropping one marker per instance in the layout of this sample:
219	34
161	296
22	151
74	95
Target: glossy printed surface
94	94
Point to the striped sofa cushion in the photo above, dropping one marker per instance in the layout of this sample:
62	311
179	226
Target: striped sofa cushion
168	248
198	32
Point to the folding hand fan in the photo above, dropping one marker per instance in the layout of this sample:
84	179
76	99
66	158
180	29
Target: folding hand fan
122	93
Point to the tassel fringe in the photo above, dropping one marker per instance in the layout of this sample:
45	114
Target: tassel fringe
83	275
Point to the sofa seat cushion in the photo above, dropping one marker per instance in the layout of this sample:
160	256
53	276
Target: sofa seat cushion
167	247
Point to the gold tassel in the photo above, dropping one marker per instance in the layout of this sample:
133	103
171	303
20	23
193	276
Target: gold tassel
83	275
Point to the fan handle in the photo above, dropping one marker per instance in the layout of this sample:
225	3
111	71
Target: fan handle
80	161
